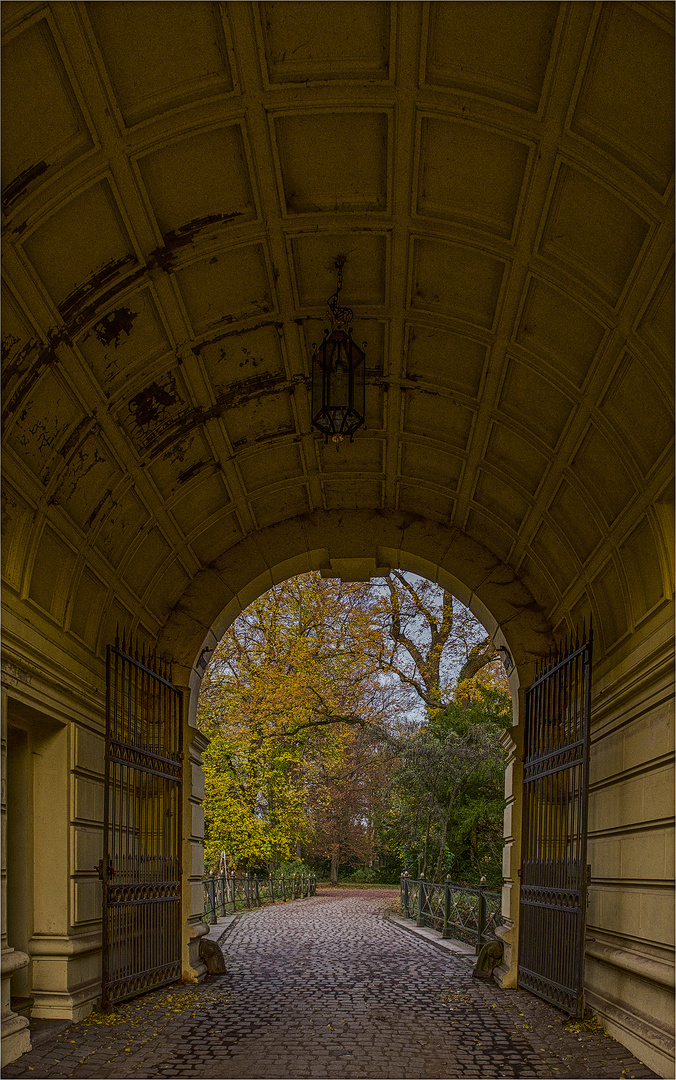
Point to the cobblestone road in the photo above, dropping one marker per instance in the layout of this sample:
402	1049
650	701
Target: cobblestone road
327	988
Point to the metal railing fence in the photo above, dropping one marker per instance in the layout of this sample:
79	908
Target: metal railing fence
470	915
225	894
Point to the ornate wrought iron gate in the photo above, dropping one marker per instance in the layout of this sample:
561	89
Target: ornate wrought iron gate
554	873
141	867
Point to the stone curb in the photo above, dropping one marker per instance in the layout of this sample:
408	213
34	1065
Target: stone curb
425	933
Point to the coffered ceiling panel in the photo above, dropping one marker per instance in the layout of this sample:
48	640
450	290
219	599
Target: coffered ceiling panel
249	355
180	459
80	247
125	341
600	471
153	412
639	412
609	597
534	401
265	416
320	42
88	597
44	428
228	286
485	529
205	497
268	467
365	455
593	233
439	468
43	125
657	324
450	424
275	506
470	174
444	358
571	511
89	471
314	258
427	501
166	591
640	558
456	280
120	517
556	328
504	502
201	180
626	105
352	494
151	553
179	180
516	456
220	535
52	569
333	161
159	59
500	50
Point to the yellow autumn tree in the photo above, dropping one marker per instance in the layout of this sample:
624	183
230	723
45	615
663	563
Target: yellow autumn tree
293	676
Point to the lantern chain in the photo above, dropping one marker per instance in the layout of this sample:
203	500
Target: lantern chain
341	316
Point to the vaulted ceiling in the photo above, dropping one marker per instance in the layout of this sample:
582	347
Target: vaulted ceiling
178	180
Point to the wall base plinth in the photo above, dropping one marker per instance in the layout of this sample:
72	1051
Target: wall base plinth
505	974
653	1046
196	970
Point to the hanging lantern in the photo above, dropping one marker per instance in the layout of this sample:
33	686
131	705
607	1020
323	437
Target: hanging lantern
338	374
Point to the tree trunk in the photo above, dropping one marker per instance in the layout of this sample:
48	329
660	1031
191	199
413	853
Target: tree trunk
427	846
335	859
442	845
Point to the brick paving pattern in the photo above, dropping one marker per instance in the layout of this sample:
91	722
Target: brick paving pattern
326	987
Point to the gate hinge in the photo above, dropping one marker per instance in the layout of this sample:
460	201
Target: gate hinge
111	871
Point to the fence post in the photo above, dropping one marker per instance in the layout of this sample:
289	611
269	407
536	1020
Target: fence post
258	897
420	921
283	888
232	894
403	885
481	929
446	933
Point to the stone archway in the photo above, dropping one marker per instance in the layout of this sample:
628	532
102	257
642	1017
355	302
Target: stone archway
360	546
178	181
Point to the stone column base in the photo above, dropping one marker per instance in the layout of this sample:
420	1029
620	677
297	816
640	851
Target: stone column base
197	969
16	1038
14	1028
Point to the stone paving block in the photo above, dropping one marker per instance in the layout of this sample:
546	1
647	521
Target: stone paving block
328	988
